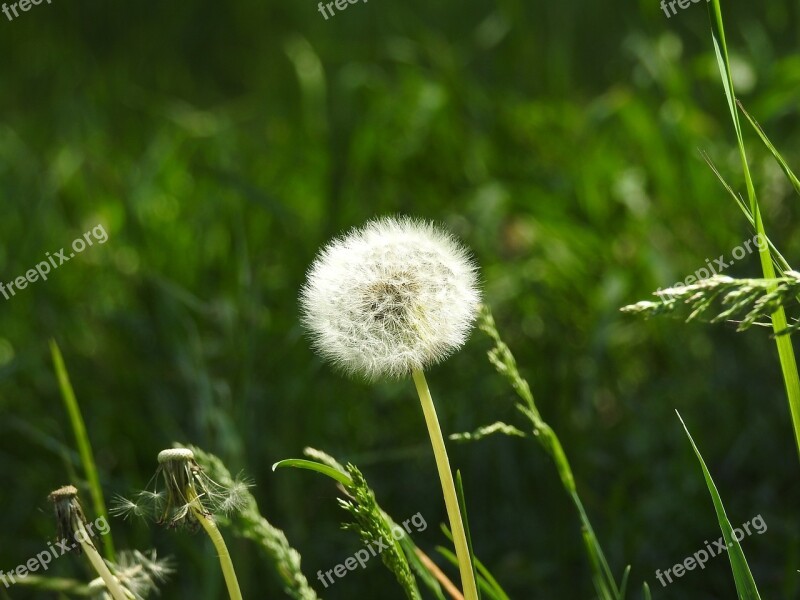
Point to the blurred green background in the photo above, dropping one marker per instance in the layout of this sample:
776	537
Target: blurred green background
220	144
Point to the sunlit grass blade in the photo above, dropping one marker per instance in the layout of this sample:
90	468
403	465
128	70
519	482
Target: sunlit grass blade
779	321
83	443
745	585
623	587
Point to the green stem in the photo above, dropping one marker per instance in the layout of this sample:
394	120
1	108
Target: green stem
112	583
448	487
226	564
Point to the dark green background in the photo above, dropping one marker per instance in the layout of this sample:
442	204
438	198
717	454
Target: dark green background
221	144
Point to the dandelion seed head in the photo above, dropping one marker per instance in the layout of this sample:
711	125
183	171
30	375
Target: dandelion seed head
393	296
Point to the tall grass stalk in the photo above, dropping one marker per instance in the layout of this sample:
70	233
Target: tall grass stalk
779	322
505	363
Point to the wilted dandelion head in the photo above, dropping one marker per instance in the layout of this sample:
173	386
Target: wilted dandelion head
393	296
69	514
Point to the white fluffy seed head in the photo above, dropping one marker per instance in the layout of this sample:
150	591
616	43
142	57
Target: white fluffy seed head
390	297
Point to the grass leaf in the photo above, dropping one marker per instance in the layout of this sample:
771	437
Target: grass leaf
776	155
745	585
299	463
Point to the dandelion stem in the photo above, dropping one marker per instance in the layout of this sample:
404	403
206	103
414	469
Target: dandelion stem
226	564
112	584
448	487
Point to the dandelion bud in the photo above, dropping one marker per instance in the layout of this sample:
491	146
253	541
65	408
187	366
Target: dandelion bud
392	297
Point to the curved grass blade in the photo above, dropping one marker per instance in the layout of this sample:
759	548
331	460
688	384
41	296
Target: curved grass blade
299	463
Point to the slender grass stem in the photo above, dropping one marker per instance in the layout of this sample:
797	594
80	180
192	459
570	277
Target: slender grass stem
112	583
448	487
226	564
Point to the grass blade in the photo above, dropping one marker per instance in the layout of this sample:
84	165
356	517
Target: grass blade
82	440
299	463
745	585
776	155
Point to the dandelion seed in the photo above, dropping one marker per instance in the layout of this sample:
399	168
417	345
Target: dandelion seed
126	508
